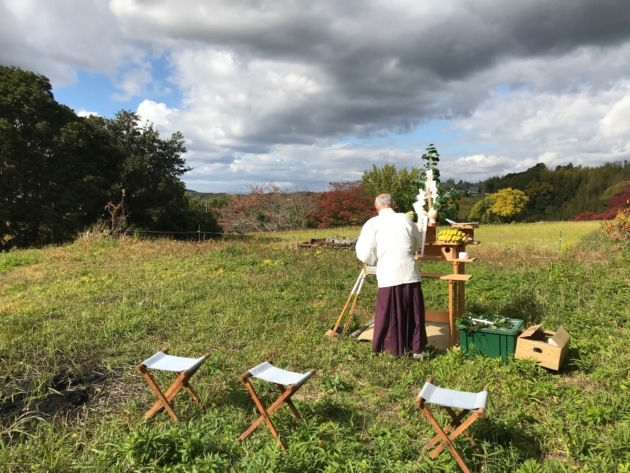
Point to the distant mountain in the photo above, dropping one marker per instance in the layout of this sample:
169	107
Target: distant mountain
205	195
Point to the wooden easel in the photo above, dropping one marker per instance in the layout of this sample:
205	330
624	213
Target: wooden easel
356	290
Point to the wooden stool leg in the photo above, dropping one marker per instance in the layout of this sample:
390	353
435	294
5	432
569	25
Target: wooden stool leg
289	402
170	394
186	381
265	415
454	423
192	392
459	430
163	400
446	442
457	421
273	408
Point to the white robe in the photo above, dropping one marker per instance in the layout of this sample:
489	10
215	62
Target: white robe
390	241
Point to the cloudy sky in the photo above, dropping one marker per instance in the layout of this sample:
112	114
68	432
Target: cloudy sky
302	93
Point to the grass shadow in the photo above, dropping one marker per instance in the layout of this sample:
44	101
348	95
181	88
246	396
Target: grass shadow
235	394
574	362
524	307
510	435
331	410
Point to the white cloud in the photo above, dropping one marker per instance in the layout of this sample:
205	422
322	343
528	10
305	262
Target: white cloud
584	126
616	123
86	113
270	90
157	113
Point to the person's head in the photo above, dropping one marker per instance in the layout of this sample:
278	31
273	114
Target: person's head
383	201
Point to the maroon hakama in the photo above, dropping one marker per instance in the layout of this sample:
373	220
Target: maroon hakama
399	321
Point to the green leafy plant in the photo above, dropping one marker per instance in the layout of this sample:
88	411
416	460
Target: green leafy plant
447	201
472	322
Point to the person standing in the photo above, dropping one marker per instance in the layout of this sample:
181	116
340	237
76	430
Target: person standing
390	241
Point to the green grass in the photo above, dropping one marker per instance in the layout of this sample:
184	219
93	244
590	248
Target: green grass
103	306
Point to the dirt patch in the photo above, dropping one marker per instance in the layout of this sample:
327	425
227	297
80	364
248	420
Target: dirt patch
331	242
63	393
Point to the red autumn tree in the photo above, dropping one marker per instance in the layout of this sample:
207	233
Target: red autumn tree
267	207
620	201
615	204
346	203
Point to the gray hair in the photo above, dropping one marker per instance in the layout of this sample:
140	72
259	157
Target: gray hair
384	200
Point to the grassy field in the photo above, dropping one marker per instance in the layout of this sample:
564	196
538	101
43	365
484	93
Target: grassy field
76	320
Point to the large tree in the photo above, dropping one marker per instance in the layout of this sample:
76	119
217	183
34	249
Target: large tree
500	207
345	204
150	173
59	171
398	183
267	207
34	178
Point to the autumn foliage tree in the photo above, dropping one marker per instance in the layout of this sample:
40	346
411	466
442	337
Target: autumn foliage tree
501	206
345	204
266	207
619	228
618	200
508	203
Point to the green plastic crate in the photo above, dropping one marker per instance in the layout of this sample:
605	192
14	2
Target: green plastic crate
492	342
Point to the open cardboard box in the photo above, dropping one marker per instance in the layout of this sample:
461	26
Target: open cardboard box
549	348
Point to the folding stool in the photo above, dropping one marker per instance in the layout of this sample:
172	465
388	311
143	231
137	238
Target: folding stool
183	367
449	399
287	381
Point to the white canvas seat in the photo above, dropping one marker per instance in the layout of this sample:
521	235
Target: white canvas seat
183	367
267	372
162	361
449	399
452	398
288	383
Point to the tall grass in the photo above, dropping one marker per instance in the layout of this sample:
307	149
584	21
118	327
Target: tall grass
104	306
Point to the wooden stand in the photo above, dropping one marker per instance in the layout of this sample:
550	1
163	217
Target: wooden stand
448	252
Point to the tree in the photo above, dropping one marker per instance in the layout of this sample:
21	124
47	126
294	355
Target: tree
346	203
500	207
616	204
614	190
508	203
482	210
150	173
93	167
564	192
199	214
34	178
267	207
58	171
399	184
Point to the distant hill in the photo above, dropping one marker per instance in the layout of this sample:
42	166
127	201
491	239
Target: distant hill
205	195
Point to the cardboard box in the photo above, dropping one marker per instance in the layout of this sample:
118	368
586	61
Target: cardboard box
549	348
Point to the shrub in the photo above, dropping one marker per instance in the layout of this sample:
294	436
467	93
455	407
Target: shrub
619	228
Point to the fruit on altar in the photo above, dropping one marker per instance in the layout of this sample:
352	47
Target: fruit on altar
452	235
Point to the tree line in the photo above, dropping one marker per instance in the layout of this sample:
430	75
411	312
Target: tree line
61	173
566	191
